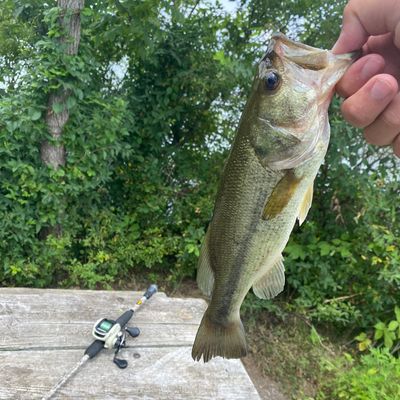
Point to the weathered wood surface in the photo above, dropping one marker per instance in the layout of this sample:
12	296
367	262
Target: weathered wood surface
43	334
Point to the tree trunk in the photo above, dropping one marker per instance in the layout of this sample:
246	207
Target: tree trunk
53	154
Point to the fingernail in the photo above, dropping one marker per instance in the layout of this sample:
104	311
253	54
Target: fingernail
380	90
370	68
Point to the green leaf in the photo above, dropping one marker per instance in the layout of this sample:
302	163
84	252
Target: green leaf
18	11
325	248
71	102
362	336
296	251
388	339
378	334
58	107
393	325
397	312
34	115
364	345
380	325
314	336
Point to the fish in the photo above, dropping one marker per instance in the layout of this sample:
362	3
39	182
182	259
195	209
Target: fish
266	185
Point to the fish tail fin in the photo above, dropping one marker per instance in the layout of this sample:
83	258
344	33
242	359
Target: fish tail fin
216	339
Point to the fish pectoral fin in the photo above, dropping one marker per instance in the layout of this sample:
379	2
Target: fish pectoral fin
205	274
281	195
272	282
306	204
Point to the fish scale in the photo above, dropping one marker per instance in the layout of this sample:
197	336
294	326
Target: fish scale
266	185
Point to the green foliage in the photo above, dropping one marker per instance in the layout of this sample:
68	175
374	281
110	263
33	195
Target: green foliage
143	151
386	334
344	263
376	377
289	351
348	279
155	94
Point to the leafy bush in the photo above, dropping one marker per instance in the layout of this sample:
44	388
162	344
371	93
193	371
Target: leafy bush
143	152
153	108
344	262
386	334
375	377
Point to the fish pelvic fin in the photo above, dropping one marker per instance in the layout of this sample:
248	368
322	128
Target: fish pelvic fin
272	282
306	204
205	274
216	339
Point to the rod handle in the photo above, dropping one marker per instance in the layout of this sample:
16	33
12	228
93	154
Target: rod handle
124	318
94	348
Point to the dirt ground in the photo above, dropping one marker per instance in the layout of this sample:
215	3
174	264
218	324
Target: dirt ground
267	388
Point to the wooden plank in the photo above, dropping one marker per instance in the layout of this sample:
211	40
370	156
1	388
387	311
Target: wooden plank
152	373
34	318
78	336
88	305
43	334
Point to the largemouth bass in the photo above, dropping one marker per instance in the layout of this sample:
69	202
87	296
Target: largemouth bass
267	184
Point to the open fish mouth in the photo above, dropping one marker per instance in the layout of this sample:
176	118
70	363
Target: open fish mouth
308	63
306	56
312	73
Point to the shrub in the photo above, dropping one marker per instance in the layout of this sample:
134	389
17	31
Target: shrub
375	377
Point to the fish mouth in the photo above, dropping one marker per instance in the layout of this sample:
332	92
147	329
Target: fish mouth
307	66
312	74
308	57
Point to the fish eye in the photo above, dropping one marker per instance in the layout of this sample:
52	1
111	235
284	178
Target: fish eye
272	80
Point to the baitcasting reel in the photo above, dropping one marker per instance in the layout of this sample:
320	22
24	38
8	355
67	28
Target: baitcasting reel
113	336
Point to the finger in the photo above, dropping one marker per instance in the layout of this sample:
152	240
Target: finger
364	106
359	74
363	18
386	127
353	34
384	46
396	146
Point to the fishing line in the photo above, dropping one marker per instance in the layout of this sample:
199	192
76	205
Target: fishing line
108	334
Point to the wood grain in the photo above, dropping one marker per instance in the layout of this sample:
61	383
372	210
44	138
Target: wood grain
43	334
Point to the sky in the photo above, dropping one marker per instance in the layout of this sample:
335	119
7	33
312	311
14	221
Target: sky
229	6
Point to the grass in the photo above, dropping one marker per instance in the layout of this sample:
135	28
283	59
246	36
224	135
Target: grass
289	351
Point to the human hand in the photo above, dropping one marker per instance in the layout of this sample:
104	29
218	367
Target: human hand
371	84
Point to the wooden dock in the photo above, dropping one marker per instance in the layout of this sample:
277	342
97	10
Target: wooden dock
44	332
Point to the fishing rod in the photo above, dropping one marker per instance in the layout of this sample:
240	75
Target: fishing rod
108	334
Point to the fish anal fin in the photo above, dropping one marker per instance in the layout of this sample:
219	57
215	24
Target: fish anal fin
205	274
281	195
305	205
272	282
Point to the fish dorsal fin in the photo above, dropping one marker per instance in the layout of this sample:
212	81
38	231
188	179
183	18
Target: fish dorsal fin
272	282
281	195
205	274
306	204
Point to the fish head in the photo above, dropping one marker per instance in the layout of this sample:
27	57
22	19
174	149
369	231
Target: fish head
289	102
